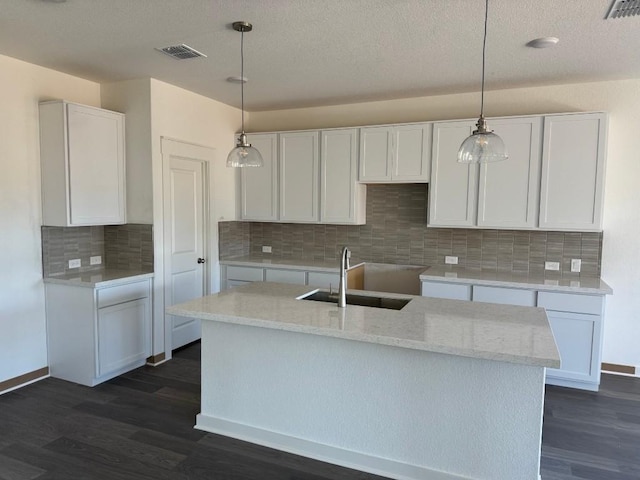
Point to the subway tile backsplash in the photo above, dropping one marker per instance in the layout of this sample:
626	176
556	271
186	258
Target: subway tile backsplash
128	247
396	232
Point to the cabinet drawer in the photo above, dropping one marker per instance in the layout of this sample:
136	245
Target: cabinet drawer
248	274
122	293
568	302
505	296
285	276
451	291
324	280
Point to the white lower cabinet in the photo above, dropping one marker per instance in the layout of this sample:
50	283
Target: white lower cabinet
233	276
95	334
575	319
576	322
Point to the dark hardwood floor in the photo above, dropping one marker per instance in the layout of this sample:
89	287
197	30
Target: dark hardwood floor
140	426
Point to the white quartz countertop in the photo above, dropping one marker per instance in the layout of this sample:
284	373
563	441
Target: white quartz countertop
494	332
98	278
568	284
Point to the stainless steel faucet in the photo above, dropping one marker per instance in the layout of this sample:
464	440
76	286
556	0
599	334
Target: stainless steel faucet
342	288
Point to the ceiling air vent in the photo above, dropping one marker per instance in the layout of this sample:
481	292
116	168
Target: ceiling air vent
624	8
181	52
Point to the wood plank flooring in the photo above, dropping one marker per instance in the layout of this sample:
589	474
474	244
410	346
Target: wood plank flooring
140	426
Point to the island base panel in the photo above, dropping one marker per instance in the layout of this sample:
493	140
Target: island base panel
388	410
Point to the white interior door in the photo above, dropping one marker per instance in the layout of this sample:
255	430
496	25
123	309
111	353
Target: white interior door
186	244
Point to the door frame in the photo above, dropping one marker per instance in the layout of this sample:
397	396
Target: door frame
205	155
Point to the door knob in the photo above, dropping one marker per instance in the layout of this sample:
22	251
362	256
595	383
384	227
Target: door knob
201	260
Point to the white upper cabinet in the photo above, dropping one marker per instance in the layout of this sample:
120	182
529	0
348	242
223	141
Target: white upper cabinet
490	195
508	191
83	165
573	164
399	153
299	177
259	186
453	187
342	198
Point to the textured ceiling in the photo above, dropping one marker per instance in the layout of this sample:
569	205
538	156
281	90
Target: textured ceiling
321	52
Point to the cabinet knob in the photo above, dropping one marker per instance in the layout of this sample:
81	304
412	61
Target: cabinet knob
201	260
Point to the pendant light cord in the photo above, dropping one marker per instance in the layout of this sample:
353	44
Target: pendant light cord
484	50
242	75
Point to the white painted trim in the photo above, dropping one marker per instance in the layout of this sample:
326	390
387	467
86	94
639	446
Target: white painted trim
318	451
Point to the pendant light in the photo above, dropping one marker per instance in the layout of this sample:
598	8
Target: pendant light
243	155
483	145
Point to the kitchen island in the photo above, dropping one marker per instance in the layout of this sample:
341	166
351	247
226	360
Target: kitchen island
441	389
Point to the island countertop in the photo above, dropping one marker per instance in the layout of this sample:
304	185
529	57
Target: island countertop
477	330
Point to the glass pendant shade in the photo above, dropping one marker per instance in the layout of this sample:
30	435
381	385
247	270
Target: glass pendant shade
244	155
482	148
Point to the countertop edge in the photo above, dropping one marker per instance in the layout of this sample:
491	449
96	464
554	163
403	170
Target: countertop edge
120	280
548	287
366	338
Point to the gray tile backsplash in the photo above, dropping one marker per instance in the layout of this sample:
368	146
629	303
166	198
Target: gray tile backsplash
396	232
128	247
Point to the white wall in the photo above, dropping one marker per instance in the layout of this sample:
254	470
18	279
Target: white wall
181	115
23	346
133	98
622	196
155	110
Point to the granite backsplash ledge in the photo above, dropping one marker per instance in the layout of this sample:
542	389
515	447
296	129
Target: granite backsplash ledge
396	232
124	247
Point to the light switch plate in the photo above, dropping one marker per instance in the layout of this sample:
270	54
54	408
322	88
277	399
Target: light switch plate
451	260
96	260
552	266
576	265
75	263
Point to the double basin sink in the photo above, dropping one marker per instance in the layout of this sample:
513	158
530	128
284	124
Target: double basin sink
362	300
376	277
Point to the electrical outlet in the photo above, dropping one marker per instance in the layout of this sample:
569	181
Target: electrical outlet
576	265
552	266
451	260
97	260
266	249
75	263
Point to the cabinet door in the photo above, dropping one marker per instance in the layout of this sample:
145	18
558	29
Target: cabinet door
509	190
96	166
259	186
299	177
573	157
124	335
578	344
341	196
376	154
411	153
453	188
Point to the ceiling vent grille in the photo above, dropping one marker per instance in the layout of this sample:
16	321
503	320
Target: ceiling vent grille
181	52
624	8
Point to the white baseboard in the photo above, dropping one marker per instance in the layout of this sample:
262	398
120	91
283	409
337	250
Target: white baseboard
322	452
